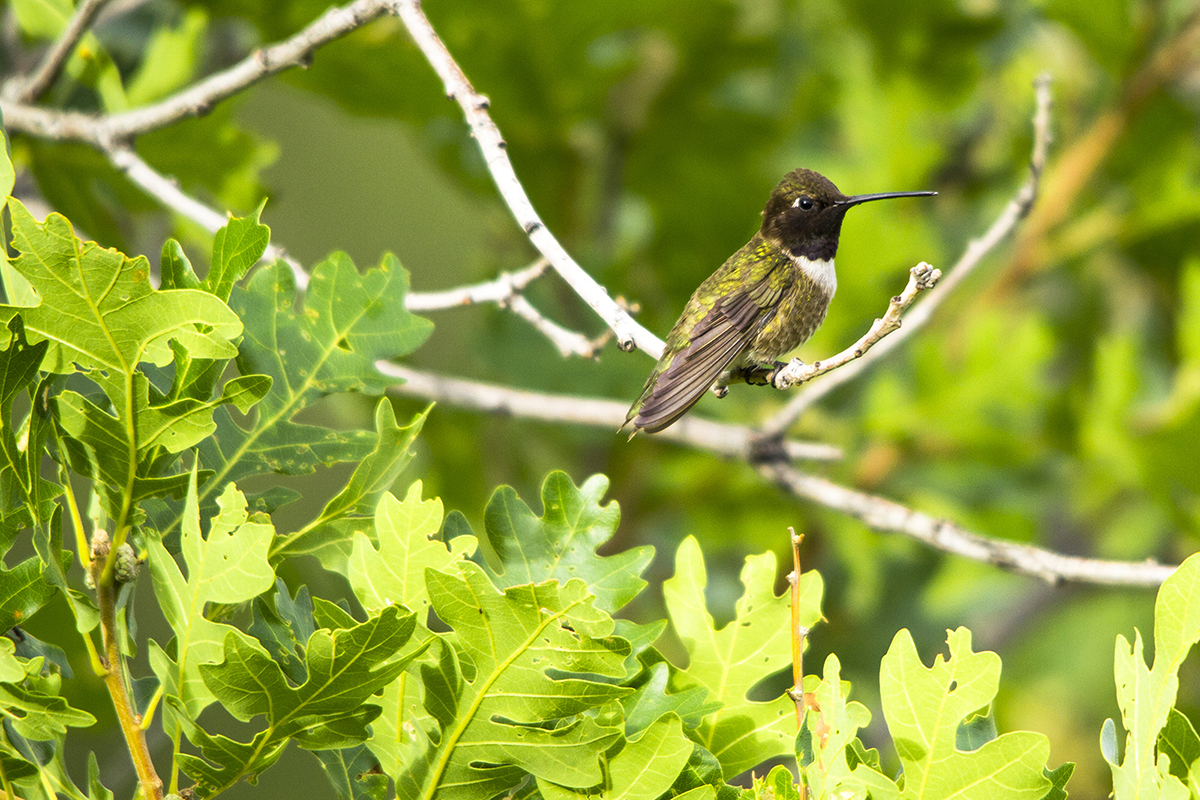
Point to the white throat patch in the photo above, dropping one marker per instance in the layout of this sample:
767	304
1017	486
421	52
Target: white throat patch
821	272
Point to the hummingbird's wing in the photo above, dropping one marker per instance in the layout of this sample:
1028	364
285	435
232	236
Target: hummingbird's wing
736	318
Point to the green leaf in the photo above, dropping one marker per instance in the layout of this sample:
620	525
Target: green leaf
169	60
562	542
511	688
344	669
1058	782
175	269
729	662
644	769
40	716
96	789
1179	741
230	566
830	728
99	313
23	590
282	624
394	574
98	309
8	176
26	498
11	670
328	537
924	707
348	322
354	773
1147	695
47	540
654	697
330	710
236	248
777	785
42	18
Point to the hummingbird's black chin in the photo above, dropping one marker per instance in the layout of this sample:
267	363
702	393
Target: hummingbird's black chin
866	198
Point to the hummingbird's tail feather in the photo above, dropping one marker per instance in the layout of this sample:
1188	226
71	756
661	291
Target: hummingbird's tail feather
670	394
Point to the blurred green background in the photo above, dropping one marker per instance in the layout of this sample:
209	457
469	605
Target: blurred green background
1055	399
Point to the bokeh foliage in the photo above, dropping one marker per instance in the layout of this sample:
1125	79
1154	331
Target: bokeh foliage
1054	400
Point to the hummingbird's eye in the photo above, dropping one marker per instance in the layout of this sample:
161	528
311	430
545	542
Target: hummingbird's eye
803	201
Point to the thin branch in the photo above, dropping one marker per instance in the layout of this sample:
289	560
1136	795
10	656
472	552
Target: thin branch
56	57
569	343
890	517
799	631
1013	213
733	441
167	192
114	674
920	278
739	442
198	99
628	332
506	291
499	290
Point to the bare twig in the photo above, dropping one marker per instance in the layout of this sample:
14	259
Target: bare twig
890	517
499	290
101	132
569	343
920	278
921	312
739	442
799	631
114	667
629	333
716	437
43	77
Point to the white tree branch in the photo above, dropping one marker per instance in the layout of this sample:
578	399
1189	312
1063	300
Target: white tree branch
628	332
499	290
167	192
31	88
921	312
890	517
196	100
506	291
734	441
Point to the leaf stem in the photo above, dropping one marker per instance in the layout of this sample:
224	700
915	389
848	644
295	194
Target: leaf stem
114	679
798	631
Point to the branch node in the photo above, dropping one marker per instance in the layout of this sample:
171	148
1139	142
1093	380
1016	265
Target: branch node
532	226
767	450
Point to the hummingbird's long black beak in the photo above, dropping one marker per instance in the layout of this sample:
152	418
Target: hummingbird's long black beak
866	198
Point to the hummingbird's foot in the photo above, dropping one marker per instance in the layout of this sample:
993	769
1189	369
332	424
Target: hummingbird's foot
720	390
778	372
761	374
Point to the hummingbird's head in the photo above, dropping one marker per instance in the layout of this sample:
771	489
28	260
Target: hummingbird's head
805	213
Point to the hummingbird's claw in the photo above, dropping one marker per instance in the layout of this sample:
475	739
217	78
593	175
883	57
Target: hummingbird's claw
794	365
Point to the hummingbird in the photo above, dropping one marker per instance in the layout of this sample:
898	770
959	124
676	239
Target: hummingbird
767	299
